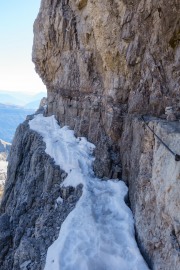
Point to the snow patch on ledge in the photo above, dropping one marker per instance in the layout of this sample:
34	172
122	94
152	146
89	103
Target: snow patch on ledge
99	233
73	155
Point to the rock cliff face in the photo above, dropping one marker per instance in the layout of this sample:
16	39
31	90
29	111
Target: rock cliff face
105	63
153	177
102	61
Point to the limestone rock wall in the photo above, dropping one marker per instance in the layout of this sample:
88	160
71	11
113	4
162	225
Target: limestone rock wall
153	176
101	60
105	63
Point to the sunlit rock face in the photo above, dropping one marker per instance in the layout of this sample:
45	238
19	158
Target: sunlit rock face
153	176
105	60
105	63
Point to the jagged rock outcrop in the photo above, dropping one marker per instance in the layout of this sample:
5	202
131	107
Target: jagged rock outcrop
31	209
105	63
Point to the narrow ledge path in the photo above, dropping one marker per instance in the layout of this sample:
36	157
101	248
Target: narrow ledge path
99	233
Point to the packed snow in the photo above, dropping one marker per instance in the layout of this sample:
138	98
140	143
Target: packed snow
99	233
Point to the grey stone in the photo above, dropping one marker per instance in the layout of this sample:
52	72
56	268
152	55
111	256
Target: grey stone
29	222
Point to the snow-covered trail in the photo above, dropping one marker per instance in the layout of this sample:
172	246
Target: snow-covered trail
99	233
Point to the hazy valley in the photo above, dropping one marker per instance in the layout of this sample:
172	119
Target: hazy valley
14	107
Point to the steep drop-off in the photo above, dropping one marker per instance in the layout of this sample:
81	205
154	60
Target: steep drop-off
31	214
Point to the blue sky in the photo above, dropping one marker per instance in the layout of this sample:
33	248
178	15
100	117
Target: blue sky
16	37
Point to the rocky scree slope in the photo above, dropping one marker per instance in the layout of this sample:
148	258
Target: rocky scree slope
105	63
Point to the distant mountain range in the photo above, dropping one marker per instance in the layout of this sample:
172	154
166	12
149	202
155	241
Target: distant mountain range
10	117
14	107
21	99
